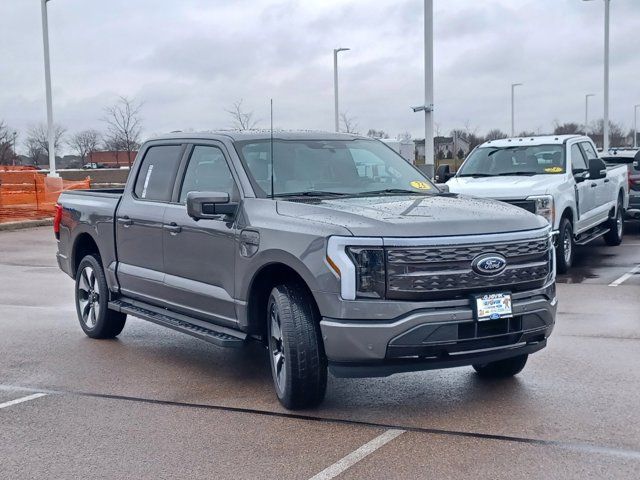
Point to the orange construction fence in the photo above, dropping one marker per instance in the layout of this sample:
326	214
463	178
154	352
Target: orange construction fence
27	194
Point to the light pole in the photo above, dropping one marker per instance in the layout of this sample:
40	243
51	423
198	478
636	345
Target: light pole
427	108
14	135
586	110
635	126
513	109
335	84
605	127
47	80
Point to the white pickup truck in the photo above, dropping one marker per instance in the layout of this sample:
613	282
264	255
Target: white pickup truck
559	177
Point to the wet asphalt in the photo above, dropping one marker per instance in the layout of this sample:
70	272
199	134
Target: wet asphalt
159	404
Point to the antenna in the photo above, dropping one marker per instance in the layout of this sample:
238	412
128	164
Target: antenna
271	136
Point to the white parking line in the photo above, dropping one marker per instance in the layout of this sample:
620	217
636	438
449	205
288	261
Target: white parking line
22	400
626	276
357	455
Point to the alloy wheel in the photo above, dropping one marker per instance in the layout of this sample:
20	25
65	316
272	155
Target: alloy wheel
276	348
89	297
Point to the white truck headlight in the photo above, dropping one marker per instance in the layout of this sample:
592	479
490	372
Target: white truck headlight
544	207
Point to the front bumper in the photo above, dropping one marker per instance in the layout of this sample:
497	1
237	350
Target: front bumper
440	335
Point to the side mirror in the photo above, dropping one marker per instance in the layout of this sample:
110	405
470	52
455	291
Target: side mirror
580	176
597	168
443	173
204	205
443	187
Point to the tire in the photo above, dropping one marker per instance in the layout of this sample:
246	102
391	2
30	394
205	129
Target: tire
616	225
502	368
296	353
566	246
92	298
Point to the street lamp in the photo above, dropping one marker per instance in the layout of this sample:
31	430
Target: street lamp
335	84
635	126
513	110
47	80
14	135
586	110
427	108
605	130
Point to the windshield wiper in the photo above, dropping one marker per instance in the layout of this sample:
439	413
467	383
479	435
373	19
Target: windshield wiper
476	175
392	191
506	174
312	193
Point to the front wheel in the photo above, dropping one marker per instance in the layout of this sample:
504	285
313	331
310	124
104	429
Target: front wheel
296	353
92	298
564	249
502	368
616	227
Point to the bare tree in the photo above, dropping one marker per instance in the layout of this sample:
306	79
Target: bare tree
242	120
124	125
349	123
616	134
436	129
84	143
38	139
7	147
566	128
373	133
404	137
495	134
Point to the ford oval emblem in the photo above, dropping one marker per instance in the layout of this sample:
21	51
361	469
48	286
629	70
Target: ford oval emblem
489	264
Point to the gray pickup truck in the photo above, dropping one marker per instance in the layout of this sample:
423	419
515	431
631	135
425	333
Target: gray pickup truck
329	249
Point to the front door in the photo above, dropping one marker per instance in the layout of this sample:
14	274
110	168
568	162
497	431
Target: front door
585	192
199	256
604	188
139	224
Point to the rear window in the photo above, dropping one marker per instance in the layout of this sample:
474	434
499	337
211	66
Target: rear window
157	173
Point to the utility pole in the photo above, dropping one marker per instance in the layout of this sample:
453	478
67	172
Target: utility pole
47	80
335	85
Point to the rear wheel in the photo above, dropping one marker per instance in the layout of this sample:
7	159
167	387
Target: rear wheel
502	368
296	353
92	298
616	227
565	247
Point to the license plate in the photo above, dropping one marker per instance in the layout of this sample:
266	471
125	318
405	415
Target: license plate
493	306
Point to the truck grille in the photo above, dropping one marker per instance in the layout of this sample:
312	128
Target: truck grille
437	272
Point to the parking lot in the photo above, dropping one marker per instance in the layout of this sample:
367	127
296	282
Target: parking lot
157	404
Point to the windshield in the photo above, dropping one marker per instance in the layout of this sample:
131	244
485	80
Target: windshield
330	167
515	160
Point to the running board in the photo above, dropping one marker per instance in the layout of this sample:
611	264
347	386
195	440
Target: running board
585	238
221	336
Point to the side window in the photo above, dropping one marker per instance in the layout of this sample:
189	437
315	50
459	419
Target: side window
207	172
577	159
588	150
157	173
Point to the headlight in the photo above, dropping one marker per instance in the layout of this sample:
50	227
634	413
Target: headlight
370	271
544	207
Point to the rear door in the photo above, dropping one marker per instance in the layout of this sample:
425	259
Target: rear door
604	197
199	256
139	222
585	192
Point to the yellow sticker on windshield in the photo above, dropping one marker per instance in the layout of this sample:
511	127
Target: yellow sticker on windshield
553	170
420	185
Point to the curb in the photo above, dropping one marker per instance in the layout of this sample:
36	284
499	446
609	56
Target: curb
43	222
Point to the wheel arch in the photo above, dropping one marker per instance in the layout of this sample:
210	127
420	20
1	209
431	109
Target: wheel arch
83	245
262	282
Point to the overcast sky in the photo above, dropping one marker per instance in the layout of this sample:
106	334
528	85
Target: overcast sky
189	60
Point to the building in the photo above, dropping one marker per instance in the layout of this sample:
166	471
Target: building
443	147
112	159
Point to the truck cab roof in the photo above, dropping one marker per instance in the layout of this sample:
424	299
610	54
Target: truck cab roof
536	140
259	134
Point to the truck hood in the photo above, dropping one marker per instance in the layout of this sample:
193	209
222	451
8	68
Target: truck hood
414	215
505	187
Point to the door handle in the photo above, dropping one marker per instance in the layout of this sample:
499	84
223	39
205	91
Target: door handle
126	222
594	185
173	228
606	180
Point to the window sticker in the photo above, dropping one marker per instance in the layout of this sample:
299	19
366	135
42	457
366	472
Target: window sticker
146	181
420	185
553	170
